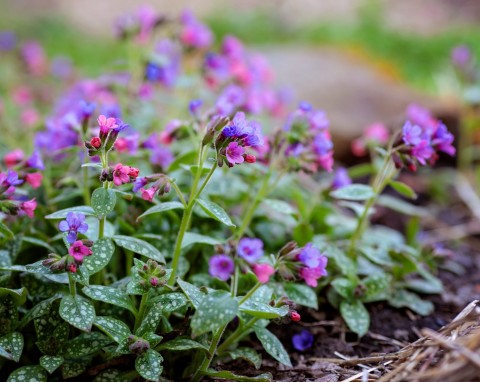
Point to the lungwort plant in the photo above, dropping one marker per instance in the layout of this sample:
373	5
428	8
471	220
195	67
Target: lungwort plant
134	245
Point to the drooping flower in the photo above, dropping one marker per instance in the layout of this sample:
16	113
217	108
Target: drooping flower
263	272
124	174
34	179
303	340
13	158
35	161
148	193
221	266
78	251
73	224
194	33
311	275
250	249
28	207
9	181
310	256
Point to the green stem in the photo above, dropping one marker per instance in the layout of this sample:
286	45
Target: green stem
72	286
141	311
378	184
204	184
234	285
128	262
187	214
86	188
237	335
247	219
250	293
179	193
211	353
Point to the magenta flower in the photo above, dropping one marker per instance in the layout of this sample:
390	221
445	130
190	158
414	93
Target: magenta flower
13	158
194	33
28	207
221	266
263	272
73	224
234	153
106	124
34	179
310	256
302	341
78	251
250	249
376	132
124	174
148	193
311	275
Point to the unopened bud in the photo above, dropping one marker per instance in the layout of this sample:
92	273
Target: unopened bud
397	161
295	316
287	248
72	268
96	142
87	243
154	281
250	158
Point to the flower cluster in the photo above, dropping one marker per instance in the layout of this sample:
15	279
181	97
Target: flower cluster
194	34
307	140
422	138
375	134
235	137
159	184
139	25
152	274
73	225
164	64
109	129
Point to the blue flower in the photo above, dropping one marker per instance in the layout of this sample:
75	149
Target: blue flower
303	340
74	224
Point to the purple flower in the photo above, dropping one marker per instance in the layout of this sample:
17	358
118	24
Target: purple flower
250	249
305	106
234	153
422	152
442	140
221	266
319	120
194	106
8	181
86	109
322	144
165	65
161	156
232	97
139	183
61	67
194	33
35	161
461	55
302	341
412	134
310	256
74	224
8	40
341	178
232	47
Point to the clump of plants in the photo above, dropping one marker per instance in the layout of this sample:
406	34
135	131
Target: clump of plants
174	207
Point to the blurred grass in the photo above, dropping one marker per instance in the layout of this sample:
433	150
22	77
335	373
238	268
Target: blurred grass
415	59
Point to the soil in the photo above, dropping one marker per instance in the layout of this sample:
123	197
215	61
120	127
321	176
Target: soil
391	329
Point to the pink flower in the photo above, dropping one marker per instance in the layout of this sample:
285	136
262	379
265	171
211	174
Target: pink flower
148	194
376	132
358	147
263	272
34	179
22	96
29	207
120	174
30	117
311	275
106	124
13	158
234	153
78	251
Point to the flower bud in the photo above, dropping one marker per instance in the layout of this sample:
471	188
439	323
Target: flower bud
96	142
287	248
295	316
137	345
397	161
72	268
250	158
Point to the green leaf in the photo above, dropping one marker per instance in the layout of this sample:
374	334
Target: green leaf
194	238
5	231
344	287
403	189
356	316
402	206
78	312
150	321
62	214
40	243
273	346
378	287
115	329
405	299
51	362
261	310
86	344
149	365
102	252
72	368
11	346
247	354
215	310
38	310
139	246
39	269
103	201
181	344
110	295
192	292
18	295
28	373
224	374
169	302
187	157
216	212
162	207
354	192
280	206
112	375
301	294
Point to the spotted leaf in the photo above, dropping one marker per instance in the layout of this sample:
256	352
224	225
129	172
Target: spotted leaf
215	310
78	312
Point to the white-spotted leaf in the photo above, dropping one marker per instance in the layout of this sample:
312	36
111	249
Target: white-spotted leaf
51	362
110	295
62	214
102	252
139	246
247	354
215	310
273	346
28	373
78	312
195	238
103	201
261	310
162	207
215	211
302	295
179	344
86	344
356	316
114	328
354	192
149	365
192	292
11	346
